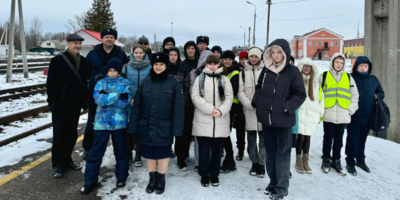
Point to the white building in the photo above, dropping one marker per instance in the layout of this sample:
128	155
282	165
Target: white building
4	50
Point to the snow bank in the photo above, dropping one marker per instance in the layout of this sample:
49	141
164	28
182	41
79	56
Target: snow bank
18	80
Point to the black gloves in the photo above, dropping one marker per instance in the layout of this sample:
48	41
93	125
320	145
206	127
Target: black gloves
103	92
124	96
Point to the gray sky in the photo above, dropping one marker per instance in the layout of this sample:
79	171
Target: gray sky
218	19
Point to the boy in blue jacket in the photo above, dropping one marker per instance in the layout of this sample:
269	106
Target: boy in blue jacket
111	94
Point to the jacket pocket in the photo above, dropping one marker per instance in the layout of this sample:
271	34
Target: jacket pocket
165	129
143	129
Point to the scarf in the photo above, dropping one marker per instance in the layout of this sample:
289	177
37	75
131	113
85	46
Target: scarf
221	84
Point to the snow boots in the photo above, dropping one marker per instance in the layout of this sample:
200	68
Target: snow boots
326	165
307	168
261	171
338	167
299	164
351	170
363	166
152	182
253	169
160	185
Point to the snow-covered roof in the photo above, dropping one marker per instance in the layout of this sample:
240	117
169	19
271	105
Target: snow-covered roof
95	38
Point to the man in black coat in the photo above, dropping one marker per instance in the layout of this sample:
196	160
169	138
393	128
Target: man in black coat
97	60
67	91
369	89
279	93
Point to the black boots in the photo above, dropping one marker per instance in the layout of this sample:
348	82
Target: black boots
152	182
351	170
363	166
182	164
337	167
228	164
205	181
121	183
160	185
72	166
326	165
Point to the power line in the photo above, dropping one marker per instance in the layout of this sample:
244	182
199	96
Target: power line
320	17
262	17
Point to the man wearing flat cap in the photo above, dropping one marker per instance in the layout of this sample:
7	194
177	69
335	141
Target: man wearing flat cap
97	60
67	92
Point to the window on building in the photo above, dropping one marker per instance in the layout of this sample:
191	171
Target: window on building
315	43
326	54
320	43
337	43
331	44
48	44
356	45
309	43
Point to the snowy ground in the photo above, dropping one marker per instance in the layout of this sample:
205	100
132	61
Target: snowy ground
23	104
29	63
18	80
382	183
13	153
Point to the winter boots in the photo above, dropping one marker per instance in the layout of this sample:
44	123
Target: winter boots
363	166
121	183
338	167
205	181
160	185
261	171
214	181
228	164
299	164
253	170
351	170
239	156
326	165
138	159
152	182
182	164
307	168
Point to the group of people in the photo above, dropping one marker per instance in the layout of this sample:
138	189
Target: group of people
146	100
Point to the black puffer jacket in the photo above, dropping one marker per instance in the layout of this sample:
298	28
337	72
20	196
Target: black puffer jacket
280	90
176	69
158	111
63	86
189	64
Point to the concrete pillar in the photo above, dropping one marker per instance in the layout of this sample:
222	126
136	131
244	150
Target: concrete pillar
382	46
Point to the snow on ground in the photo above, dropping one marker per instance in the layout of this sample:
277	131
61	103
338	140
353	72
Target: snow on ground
23	104
18	80
29	63
382	183
13	153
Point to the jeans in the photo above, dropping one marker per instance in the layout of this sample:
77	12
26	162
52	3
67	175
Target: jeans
257	155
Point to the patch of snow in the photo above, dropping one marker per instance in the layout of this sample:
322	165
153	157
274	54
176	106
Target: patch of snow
23	104
18	80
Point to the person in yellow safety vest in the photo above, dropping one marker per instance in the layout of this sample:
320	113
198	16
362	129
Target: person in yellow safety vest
232	70
310	113
341	101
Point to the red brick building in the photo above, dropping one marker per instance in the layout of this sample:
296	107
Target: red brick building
318	44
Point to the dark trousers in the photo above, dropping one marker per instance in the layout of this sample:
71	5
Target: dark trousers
332	132
65	123
227	145
240	132
278	146
209	164
182	143
355	144
89	132
95	158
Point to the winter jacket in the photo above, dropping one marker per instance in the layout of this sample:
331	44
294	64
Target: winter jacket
158	111
295	129
63	86
189	64
311	111
204	124
149	53
368	86
192	76
247	89
337	114
280	89
97	60
135	75
111	112
176	70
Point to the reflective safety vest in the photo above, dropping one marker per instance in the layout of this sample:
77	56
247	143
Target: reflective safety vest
335	92
235	98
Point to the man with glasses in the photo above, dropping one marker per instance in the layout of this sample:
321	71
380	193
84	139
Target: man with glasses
145	44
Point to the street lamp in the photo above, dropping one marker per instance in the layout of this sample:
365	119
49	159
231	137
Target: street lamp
244	36
171	29
254	28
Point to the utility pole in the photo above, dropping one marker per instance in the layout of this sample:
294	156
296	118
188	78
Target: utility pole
11	44
22	35
244	37
269	9
254	29
171	29
358	29
249	35
155	43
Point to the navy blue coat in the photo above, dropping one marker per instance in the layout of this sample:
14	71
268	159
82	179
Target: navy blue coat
158	111
97	60
367	85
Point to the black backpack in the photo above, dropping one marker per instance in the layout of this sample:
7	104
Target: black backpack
380	118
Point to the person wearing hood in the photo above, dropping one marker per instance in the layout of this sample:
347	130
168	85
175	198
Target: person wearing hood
97	60
158	115
112	95
309	113
191	53
137	69
168	43
247	87
243	58
341	102
217	50
279	93
145	44
212	97
369	89
202	43
236	114
189	81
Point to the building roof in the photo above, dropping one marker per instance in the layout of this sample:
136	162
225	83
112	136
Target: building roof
97	36
319	30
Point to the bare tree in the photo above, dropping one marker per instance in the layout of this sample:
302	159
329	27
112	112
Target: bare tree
35	32
77	23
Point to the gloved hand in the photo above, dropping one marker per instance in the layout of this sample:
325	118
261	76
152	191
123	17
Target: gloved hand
103	92
124	96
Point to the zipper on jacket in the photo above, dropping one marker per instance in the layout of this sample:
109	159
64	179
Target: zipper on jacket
214	106
62	96
138	81
273	95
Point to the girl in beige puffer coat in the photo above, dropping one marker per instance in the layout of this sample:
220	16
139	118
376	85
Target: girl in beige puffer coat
212	96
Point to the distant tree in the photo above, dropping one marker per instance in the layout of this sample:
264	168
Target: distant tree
77	23
100	16
34	33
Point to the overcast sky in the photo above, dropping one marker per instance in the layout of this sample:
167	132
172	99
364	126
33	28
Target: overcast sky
218	19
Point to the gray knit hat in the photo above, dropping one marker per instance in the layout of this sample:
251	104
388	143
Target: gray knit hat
143	39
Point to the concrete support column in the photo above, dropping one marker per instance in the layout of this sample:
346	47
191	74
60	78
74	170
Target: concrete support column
382	46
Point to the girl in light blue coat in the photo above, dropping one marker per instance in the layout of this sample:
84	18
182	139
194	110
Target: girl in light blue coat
137	69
